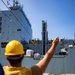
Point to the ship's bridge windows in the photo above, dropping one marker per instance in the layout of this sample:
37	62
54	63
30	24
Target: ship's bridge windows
9	14
0	30
5	15
18	29
0	24
3	44
0	18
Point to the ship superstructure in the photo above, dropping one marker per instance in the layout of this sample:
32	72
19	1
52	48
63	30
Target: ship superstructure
14	25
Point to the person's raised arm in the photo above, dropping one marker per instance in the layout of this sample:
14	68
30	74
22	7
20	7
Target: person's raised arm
44	62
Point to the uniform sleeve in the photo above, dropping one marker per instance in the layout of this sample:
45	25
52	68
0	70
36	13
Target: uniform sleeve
1	70
36	70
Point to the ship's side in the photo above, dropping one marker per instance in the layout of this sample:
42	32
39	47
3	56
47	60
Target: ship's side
59	65
14	25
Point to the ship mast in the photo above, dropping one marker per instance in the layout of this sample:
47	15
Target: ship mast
44	36
74	34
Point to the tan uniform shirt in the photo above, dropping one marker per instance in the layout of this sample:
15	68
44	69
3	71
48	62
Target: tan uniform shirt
17	71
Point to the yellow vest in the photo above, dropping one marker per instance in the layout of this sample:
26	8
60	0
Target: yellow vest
17	71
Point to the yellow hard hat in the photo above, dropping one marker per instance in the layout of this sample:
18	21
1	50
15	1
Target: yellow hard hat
14	47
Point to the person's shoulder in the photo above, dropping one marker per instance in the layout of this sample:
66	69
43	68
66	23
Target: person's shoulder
5	67
36	70
26	68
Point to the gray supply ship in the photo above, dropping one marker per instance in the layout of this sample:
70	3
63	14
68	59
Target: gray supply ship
14	24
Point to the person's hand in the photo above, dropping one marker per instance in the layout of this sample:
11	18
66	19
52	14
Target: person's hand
55	41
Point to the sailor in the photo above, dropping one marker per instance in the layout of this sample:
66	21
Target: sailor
14	53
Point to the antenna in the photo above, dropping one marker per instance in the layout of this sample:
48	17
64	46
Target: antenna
7	2
15	2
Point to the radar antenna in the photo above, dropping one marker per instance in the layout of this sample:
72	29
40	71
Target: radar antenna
15	2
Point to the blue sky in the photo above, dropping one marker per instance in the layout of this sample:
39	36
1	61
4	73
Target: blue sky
59	15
